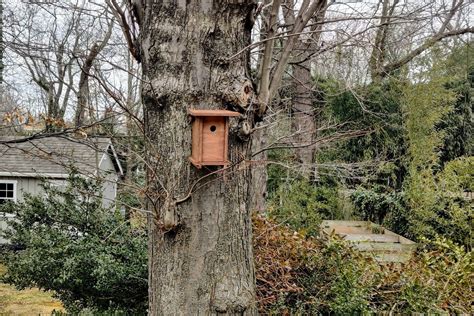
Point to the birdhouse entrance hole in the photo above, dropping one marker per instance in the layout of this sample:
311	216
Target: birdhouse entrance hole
210	137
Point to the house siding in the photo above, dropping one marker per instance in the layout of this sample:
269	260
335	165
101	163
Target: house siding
24	164
108	173
29	185
33	186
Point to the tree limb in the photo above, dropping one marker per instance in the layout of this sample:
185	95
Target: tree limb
390	68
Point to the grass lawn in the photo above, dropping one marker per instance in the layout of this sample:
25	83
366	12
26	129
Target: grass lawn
26	302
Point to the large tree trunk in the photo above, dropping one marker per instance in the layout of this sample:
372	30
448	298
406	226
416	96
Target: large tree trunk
200	251
259	175
83	93
303	121
2	46
379	50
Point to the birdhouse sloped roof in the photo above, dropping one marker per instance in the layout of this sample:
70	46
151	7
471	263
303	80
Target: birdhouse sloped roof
226	113
52	157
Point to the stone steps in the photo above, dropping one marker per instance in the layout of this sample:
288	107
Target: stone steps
384	245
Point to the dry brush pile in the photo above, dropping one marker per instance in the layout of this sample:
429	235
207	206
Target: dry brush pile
300	275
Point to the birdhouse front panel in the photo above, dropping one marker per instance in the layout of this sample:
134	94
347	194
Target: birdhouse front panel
214	144
210	137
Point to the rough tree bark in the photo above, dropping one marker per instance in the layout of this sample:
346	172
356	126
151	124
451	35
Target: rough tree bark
200	251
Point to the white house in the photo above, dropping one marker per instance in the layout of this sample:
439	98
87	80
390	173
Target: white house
24	164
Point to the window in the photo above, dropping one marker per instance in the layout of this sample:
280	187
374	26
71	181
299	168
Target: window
7	191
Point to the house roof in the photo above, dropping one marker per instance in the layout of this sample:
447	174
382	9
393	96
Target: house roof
51	157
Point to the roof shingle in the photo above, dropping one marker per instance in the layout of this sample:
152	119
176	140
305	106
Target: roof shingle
51	156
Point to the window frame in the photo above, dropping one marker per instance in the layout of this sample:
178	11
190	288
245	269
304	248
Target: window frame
15	186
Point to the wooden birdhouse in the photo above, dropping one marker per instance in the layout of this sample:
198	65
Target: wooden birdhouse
210	137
